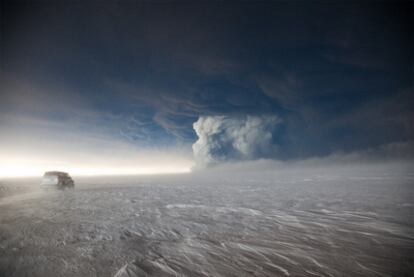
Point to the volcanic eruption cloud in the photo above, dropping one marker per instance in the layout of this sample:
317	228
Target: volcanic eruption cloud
227	138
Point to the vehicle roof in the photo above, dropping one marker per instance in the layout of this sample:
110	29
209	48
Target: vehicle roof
57	173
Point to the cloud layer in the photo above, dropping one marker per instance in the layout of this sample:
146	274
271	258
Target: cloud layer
340	77
226	138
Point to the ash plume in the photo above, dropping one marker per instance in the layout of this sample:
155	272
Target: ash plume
226	138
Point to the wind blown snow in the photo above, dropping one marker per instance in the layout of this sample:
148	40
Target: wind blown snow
225	138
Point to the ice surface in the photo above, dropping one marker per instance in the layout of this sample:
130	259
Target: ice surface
298	223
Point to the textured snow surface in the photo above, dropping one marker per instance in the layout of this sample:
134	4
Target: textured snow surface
293	224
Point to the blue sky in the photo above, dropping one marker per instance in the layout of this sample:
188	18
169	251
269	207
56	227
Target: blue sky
338	75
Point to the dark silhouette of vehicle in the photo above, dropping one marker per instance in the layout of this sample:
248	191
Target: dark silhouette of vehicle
57	179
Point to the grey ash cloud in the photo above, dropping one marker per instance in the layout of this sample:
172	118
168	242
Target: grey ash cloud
225	138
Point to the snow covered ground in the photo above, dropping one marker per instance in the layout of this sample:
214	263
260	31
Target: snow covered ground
316	222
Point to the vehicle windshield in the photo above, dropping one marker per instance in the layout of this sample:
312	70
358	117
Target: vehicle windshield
50	180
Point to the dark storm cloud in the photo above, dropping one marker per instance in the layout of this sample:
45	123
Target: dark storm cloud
339	75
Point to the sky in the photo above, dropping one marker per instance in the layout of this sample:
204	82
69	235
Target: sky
130	87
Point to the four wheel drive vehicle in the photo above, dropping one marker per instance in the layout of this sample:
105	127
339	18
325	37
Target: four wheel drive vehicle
57	179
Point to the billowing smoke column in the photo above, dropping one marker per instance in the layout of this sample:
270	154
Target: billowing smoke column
224	138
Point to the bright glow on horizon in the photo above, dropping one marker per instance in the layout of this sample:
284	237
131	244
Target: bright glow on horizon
85	156
24	170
